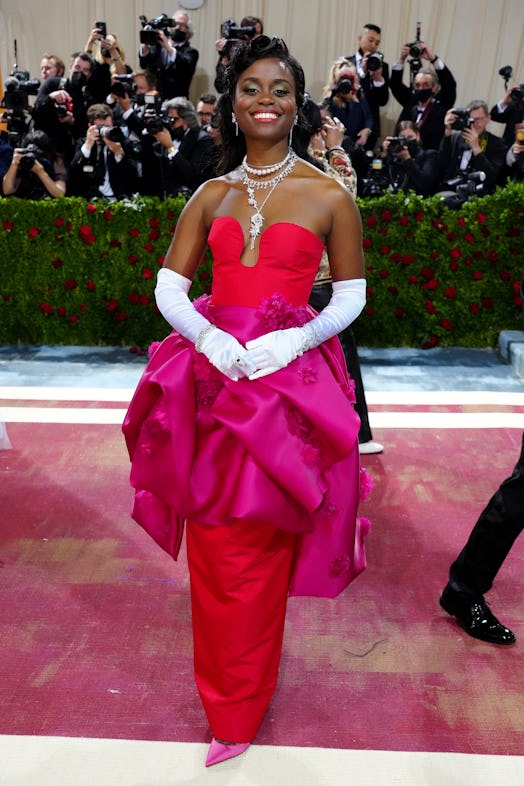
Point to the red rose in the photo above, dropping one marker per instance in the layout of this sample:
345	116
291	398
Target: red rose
492	255
446	324
469	237
430	308
134	232
133	298
115	244
148	247
450	292
400	313
384	250
412	279
90	285
433	284
451	236
61	311
404	220
395	258
455	253
485	231
170	214
83	308
434	255
393	290
46	308
160	261
461	221
370	311
371	221
419	216
154	235
70	283
73	319
147	273
366	242
57	263
59	222
108	215
33	232
144	300
514	232
505	275
384	273
481	218
453	266
154	222
8	225
120	316
430	343
387	215
427	273
91	208
487	302
477	275
132	259
474	308
112	305
407	259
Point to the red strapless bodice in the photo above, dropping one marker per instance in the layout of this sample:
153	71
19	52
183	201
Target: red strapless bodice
288	260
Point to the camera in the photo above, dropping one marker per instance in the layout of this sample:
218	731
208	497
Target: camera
416	48
462	121
344	86
150	28
123	86
396	144
517	97
377	183
30	155
374	61
61	110
17	91
230	31
465	185
113	133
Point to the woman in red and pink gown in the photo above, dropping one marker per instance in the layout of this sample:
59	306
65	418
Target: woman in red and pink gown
243	426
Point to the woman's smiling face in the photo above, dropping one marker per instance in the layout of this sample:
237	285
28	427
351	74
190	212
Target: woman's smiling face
264	100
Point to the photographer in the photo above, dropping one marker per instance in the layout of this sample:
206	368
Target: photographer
344	100
230	34
515	155
408	166
106	49
170	57
101	167
15	103
510	109
468	148
432	94
185	152
373	72
35	172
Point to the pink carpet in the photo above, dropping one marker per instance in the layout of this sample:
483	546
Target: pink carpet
95	621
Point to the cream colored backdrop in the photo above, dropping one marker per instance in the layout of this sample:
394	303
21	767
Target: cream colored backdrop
474	37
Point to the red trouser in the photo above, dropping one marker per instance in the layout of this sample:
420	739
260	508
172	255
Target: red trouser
239	577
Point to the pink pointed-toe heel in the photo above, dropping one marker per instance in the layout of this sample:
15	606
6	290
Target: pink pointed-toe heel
220	751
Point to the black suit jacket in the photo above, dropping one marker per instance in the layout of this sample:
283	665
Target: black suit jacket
175	79
431	126
491	161
191	166
87	174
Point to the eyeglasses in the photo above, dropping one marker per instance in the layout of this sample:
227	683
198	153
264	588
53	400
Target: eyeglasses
205	114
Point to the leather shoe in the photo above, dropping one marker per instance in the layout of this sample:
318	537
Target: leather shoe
475	617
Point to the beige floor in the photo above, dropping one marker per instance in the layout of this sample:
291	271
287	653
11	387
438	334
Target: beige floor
62	761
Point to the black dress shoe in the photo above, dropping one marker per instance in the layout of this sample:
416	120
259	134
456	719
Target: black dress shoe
475	617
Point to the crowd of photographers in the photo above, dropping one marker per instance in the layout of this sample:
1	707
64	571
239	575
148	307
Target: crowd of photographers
103	129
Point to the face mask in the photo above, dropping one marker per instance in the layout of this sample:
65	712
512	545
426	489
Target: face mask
178	36
78	79
177	133
423	94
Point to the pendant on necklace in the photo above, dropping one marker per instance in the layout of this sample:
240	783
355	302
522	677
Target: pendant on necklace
256	221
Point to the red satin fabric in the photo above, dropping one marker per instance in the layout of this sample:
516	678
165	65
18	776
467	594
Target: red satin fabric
239	582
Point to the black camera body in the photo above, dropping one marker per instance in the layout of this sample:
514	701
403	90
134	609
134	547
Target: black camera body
466	185
344	86
416	48
232	32
123	86
462	121
396	144
151	27
517	97
30	155
374	61
113	133
17	90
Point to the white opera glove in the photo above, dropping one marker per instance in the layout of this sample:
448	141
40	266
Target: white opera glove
276	350
221	348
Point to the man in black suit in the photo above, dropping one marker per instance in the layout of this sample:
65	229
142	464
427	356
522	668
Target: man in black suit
433	93
185	151
374	75
172	59
100	167
473	572
509	110
472	148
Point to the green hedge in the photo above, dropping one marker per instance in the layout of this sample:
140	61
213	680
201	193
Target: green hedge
82	273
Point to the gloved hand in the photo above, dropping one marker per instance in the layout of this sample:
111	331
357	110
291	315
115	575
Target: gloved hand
277	349
221	348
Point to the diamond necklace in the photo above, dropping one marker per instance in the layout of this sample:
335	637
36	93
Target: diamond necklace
260	171
257	219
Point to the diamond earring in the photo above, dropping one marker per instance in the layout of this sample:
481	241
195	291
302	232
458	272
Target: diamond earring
234	121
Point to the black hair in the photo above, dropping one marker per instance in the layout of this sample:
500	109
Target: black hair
375	28
243	55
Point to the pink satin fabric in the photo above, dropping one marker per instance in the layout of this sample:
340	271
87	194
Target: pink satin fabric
281	450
